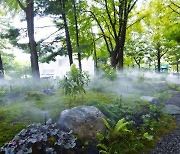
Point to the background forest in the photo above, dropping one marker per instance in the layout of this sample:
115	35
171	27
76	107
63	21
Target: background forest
118	33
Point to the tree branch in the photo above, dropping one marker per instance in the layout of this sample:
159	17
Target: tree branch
21	5
163	53
173	10
114	8
108	28
136	21
110	19
175	4
49	36
103	33
130	8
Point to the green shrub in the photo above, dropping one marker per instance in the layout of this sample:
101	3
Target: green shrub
109	72
109	141
120	140
74	82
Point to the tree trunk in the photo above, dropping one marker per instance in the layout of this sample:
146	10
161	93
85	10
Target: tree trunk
32	44
159	59
95	53
177	67
138	62
139	66
122	43
114	54
95	57
1	68
113	59
117	56
77	35
68	40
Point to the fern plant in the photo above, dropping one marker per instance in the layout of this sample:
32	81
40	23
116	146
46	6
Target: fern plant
120	140
113	136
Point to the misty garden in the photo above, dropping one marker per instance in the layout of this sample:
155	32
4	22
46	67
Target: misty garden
89	76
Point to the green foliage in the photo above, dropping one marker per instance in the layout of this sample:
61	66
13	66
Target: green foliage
74	82
148	137
174	86
112	137
109	72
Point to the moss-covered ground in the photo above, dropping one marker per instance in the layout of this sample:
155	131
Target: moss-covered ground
19	108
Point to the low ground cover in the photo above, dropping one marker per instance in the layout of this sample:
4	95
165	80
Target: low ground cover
37	103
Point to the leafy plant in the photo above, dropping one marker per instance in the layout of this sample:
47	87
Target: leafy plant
74	82
148	137
109	72
37	138
113	136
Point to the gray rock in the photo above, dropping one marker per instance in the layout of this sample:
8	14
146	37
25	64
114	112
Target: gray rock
175	99
171	109
85	121
150	99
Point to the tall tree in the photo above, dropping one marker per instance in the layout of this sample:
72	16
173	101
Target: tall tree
160	19
68	39
77	29
3	43
112	19
28	7
77	33
57	10
137	48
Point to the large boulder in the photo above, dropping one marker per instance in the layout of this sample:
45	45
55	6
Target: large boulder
85	121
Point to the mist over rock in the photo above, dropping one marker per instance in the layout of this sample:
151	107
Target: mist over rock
85	121
175	99
152	100
173	104
171	109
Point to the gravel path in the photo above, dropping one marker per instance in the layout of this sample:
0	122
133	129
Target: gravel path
170	144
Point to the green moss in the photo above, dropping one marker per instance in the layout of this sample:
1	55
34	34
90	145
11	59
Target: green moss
8	130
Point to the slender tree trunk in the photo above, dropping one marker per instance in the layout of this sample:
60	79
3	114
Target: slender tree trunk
68	40
32	44
95	53
138	62
139	66
177	67
77	35
1	68
95	57
159	59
